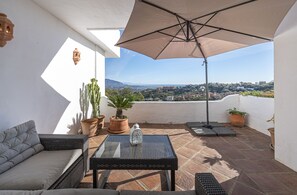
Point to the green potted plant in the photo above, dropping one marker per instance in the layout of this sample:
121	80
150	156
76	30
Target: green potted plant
236	117
119	122
91	94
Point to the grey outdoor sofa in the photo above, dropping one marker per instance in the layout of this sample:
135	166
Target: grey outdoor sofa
32	164
205	184
29	161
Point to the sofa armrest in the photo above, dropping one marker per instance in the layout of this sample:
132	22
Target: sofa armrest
64	142
67	142
206	184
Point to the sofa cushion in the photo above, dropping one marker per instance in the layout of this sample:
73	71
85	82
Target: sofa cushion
17	144
81	192
134	192
19	192
39	171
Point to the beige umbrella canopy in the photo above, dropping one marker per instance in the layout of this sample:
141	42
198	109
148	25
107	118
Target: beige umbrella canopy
200	28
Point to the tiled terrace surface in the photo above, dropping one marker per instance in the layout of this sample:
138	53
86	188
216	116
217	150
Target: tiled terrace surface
244	164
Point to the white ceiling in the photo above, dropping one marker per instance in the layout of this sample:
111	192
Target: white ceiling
85	15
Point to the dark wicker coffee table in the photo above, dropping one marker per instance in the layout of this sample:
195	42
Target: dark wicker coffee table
116	152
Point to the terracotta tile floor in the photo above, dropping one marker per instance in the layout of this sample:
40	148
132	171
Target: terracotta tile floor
244	164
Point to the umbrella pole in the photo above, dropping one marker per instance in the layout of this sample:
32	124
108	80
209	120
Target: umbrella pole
206	94
207	125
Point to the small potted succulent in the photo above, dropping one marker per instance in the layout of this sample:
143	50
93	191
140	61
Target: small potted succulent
236	117
119	122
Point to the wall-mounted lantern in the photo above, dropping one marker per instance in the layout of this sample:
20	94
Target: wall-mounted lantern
6	29
76	56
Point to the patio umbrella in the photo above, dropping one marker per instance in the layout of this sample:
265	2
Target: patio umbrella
200	28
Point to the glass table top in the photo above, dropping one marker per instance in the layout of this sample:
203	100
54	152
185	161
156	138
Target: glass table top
152	147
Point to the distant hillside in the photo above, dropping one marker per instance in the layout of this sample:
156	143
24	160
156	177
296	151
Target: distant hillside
112	84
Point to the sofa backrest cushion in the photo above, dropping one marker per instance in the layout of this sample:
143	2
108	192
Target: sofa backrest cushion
17	144
81	192
136	192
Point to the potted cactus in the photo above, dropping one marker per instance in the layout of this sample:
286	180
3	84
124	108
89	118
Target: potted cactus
84	101
91	94
95	97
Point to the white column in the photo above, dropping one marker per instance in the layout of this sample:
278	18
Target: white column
285	90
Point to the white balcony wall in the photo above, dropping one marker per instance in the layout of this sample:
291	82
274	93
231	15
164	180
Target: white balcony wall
176	112
259	110
285	47
38	79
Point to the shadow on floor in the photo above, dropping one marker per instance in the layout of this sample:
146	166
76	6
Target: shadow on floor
243	164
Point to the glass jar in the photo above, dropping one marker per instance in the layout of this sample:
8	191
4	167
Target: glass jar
135	135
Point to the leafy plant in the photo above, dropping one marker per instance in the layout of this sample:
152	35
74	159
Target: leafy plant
267	94
95	97
127	92
121	103
235	111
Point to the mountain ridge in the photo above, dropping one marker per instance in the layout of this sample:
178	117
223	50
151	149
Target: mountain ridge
113	84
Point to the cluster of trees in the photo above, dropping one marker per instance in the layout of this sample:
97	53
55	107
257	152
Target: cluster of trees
196	92
268	94
126	92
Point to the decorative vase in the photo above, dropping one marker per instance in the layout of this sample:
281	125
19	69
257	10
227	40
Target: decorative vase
117	126
135	135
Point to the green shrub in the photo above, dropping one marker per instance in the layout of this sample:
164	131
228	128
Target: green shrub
267	94
127	92
235	111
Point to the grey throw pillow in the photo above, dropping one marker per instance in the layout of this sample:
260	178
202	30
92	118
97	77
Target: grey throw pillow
17	144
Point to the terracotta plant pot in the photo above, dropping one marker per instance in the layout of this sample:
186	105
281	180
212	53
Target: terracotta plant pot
271	130
101	122
117	126
89	126
237	120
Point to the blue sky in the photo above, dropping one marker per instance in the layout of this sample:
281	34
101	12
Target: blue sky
251	64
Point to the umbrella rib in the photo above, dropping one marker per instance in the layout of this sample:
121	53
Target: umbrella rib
198	44
138	37
204	24
181	26
168	44
183	41
233	31
206	34
162	8
224	9
171	35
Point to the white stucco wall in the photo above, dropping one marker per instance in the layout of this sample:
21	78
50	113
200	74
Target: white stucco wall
38	79
107	39
176	112
285	44
259	110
